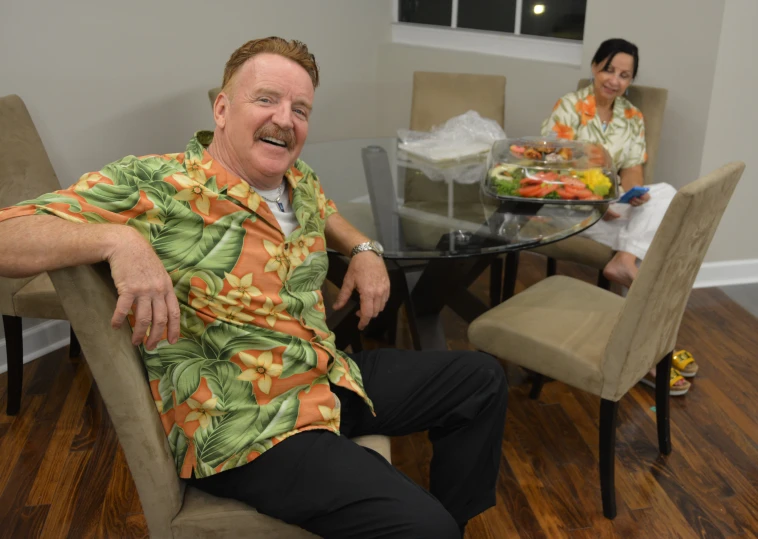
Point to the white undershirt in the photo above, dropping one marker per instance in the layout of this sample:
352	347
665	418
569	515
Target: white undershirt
286	218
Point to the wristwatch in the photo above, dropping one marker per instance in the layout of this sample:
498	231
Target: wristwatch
368	246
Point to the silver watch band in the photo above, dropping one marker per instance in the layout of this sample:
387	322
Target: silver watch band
365	246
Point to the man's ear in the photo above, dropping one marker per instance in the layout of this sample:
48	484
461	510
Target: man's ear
221	109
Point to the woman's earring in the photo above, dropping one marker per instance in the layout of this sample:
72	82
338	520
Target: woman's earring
627	92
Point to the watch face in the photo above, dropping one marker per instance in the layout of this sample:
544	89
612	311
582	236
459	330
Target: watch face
378	246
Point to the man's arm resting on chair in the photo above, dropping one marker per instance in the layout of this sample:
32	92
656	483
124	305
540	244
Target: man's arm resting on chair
37	243
366	272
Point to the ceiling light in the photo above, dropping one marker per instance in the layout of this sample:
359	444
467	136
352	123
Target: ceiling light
539	9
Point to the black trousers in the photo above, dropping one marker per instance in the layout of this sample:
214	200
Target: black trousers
333	487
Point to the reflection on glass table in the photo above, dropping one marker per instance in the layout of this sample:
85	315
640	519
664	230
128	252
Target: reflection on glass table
455	228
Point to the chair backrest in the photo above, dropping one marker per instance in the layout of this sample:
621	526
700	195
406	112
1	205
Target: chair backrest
437	97
213	94
649	321
25	172
89	298
652	103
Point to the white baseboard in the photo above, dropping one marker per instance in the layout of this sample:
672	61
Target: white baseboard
40	340
727	273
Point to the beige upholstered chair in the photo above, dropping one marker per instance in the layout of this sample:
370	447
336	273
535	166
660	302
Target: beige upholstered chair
599	342
171	509
437	97
652	102
25	173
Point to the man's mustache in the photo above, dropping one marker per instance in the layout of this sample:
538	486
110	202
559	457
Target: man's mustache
272	131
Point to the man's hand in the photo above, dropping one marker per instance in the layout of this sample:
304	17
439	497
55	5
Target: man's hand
141	280
368	274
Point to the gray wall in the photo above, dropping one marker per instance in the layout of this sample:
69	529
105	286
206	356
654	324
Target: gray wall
107	79
731	129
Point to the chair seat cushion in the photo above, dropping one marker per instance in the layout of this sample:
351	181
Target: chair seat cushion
559	327
38	299
580	250
203	515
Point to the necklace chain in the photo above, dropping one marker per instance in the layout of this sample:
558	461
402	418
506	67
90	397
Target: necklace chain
278	196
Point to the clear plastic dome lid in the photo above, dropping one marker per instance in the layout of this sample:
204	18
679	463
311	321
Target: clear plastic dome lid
548	170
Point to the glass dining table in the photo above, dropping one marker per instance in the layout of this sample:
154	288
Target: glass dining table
439	234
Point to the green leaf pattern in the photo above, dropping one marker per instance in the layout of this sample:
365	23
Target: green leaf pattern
214	401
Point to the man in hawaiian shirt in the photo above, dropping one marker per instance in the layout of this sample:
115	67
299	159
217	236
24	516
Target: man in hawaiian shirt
218	255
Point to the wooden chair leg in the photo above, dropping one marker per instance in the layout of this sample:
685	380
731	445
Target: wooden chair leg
511	273
14	347
74	348
538	380
662	371
603	282
496	281
552	266
608	415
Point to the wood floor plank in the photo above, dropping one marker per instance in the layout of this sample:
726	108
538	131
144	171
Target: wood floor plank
91	418
136	507
102	476
61	513
511	498
22	474
46	371
46	482
136	527
30	521
13	443
118	499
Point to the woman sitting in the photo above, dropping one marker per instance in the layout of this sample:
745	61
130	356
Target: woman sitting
601	114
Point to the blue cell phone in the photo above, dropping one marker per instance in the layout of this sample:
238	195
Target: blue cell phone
634	192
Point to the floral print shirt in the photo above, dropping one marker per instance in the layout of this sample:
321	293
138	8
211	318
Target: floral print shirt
255	359
574	117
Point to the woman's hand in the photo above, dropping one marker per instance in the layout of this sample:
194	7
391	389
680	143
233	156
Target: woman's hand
639	201
610	215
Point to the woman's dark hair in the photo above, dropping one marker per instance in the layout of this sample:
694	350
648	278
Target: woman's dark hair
610	48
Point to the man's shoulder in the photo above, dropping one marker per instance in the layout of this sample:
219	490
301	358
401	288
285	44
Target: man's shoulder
146	168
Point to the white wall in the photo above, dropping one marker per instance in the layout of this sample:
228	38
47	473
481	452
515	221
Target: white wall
731	132
107	79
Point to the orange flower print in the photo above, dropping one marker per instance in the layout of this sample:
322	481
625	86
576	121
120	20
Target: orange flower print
644	157
586	109
563	131
196	169
203	412
631	112
261	369
557	104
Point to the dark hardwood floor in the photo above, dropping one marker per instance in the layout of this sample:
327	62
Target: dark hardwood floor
63	474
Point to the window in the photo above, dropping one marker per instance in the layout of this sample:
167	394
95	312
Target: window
550	30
